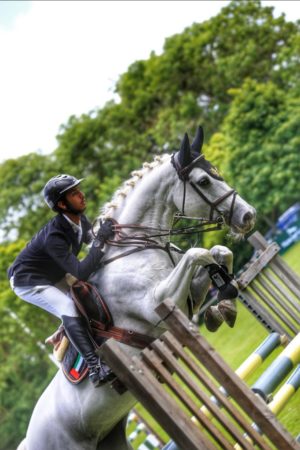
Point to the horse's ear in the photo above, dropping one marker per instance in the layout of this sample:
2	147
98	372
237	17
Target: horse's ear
198	141
184	154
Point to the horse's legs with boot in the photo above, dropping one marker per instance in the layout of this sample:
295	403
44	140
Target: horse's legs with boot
177	285
225	310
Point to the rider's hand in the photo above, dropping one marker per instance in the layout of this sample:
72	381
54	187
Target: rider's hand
104	233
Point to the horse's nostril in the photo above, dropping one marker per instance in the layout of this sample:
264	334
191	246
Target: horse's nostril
247	217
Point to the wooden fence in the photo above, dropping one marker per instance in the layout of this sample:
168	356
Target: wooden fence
178	374
270	289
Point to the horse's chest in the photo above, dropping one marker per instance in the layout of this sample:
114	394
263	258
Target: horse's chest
148	267
135	282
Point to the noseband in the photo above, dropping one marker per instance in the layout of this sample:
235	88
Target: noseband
183	174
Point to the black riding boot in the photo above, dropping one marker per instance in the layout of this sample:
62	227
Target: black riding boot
77	332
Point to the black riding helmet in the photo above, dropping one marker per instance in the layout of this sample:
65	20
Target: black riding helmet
57	186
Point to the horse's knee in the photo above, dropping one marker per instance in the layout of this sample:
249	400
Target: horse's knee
221	251
200	256
223	255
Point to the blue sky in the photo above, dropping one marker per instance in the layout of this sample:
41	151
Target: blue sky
60	58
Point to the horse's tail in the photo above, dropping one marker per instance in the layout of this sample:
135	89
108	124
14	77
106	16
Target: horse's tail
22	445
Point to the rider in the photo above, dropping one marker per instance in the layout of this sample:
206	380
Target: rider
37	274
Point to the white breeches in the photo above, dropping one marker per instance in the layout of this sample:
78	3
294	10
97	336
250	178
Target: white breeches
54	299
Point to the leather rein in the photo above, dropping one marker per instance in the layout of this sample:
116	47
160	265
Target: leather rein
146	241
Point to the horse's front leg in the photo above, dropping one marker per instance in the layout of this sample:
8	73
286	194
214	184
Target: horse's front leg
177	285
224	256
225	310
201	280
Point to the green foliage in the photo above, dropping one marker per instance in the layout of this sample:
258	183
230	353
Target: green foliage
262	130
26	368
203	63
21	182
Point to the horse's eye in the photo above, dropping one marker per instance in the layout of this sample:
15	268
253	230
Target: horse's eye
203	182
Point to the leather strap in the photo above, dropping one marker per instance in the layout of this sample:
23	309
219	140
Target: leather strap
123	335
106	329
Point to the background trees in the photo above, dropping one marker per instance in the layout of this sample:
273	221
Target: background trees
237	74
262	141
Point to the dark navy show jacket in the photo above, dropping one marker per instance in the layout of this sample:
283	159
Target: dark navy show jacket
52	253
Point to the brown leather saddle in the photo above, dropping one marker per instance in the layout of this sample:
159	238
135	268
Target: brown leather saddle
99	322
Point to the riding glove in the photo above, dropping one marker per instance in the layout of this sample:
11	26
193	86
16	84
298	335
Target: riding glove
104	233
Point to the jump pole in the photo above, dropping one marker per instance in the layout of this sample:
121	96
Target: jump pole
280	399
274	375
271	342
279	369
285	392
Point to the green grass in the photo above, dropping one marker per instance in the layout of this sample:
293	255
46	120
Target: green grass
236	344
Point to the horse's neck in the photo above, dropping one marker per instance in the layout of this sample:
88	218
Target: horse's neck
149	203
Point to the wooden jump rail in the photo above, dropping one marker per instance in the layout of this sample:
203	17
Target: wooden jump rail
270	289
178	374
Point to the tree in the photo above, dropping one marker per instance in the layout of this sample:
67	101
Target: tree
26	368
204	62
262	131
21	182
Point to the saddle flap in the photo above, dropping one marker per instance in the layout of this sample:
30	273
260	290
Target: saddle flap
90	303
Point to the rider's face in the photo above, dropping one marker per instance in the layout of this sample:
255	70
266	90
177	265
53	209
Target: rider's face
76	199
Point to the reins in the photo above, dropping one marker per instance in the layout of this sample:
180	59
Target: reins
141	243
148	234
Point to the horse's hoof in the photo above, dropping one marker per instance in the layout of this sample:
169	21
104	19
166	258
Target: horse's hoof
213	318
228	311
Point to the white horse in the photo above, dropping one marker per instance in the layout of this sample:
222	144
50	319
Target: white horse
69	417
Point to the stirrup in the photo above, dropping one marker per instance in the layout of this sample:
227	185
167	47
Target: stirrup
100	374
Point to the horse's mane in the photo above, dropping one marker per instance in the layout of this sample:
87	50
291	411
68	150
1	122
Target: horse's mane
127	187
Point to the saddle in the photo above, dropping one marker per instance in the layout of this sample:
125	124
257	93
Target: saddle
99	321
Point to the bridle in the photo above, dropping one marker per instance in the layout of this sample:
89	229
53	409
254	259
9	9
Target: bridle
145	236
183	173
146	239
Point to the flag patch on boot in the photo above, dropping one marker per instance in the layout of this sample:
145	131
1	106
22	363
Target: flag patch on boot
76	369
74	366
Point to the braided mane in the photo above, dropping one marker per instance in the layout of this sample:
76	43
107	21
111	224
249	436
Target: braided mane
127	187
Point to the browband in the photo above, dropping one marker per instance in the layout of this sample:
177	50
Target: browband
183	172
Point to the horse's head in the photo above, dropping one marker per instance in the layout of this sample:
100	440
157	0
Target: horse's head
201	190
